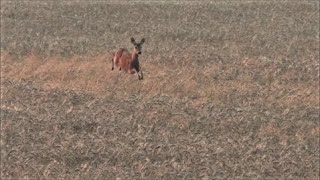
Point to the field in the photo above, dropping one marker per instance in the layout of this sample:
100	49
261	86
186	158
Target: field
230	90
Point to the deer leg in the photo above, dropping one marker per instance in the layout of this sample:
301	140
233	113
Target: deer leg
141	75
139	72
112	65
131	71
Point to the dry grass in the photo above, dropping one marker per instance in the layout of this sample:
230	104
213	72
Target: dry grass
230	90
93	74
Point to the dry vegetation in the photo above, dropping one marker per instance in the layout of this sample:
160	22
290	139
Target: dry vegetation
230	90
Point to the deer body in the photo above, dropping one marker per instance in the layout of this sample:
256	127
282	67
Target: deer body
128	62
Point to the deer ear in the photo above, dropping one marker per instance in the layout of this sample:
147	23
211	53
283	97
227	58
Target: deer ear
133	41
142	41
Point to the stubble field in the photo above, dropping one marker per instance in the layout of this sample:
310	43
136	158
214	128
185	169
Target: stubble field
230	90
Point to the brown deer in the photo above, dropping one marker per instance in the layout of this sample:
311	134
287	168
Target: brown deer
127	61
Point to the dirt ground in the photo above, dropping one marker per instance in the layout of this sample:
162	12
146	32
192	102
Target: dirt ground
230	90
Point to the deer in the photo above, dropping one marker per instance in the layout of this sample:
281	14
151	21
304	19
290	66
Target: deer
129	62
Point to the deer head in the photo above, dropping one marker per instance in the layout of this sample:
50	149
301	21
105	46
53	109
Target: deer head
137	46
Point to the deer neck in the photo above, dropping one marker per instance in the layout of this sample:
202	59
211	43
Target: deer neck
134	54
